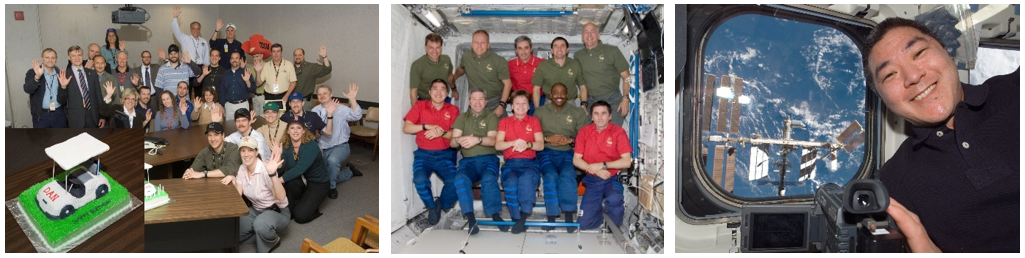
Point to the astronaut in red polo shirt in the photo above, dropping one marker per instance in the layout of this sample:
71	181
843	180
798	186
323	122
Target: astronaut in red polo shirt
602	149
431	121
519	138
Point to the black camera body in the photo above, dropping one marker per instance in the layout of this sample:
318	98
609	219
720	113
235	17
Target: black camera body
842	220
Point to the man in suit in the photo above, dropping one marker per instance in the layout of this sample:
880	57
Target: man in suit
148	73
41	84
80	89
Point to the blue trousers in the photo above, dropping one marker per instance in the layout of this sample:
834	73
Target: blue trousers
336	157
609	190
520	178
442	162
483	168
55	119
560	181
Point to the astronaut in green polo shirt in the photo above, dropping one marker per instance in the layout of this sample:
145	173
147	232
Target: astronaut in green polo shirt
559	69
560	123
603	66
433	65
486	70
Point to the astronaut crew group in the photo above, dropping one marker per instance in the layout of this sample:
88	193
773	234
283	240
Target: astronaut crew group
545	138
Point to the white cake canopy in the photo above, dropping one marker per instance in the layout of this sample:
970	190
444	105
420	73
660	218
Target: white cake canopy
76	150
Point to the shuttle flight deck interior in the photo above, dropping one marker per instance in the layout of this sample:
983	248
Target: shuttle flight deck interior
779	131
635	29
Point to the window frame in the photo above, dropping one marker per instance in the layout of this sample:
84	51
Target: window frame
700	200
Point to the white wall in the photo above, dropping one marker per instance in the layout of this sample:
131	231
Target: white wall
407	37
349	32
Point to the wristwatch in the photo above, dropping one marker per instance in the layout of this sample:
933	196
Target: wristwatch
424	126
605	166
330	117
273	175
480	140
583	104
204	174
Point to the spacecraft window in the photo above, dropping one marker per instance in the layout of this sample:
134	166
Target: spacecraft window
780	94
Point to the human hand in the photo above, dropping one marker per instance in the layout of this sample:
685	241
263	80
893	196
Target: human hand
468	141
109	87
455	95
102	122
432	132
206	70
177	11
353	90
189	174
258	62
149	115
499	111
245	75
161	54
183	105
911	227
37	68
273	163
196	101
624	106
89	64
220	22
323	51
593	168
227	180
135	79
519	145
185	57
64	79
604	174
122	45
216	114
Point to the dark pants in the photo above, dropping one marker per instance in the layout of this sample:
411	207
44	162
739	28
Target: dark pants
47	119
304	199
560	183
483	168
611	192
519	179
443	162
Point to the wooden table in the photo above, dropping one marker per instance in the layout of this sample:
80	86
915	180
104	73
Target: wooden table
182	143
121	162
204	216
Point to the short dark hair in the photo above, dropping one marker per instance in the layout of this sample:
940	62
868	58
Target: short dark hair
48	50
434	37
885	27
276	45
600	103
519	93
145	52
74	48
442	81
557	39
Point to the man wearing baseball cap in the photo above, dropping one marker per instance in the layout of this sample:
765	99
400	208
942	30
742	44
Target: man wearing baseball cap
220	159
274	130
226	45
310	120
243	122
175	70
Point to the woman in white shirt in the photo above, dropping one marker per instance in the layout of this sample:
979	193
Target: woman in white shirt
257	182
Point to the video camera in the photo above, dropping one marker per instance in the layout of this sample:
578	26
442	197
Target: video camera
842	220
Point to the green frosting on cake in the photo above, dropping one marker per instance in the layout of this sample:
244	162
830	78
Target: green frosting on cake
56	230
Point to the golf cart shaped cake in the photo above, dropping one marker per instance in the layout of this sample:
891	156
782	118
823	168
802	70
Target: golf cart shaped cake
63	211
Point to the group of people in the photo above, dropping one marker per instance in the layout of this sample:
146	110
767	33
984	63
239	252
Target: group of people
545	139
100	90
267	165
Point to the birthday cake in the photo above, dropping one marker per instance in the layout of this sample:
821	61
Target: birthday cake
64	210
155	196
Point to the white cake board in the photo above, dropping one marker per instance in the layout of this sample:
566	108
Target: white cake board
35	235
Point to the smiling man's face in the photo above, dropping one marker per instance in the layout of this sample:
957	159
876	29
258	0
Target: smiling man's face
915	77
